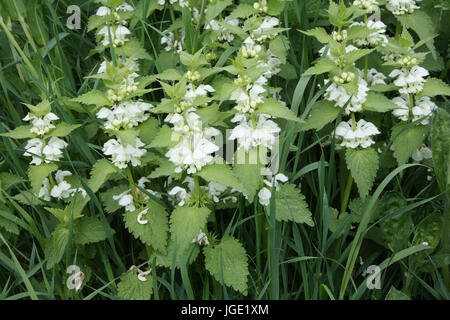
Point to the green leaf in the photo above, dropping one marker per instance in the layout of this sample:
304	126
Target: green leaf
227	263
243	10
107	200
163	139
215	8
335	220
22	132
100	173
250	177
429	230
62	129
154	232
322	113
322	66
89	230
132	48
170	75
148	130
94	97
363	165
7	220
434	87
37	174
408	141
221	173
440	137
166	169
276	109
8	180
395	294
279	46
128	136
355	55
56	246
378	102
185	224
131	288
291	205
319	33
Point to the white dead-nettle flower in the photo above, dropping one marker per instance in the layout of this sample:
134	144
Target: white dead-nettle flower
423	108
194	151
374	77
260	34
265	193
124	153
272	63
125	7
181	194
119	35
368	6
201	239
361	136
63	189
265	133
250	49
182	3
223	34
41	126
329	55
44	192
103	11
184	124
276	180
51	152
264	196
199	91
132	66
125	115
215	190
411	81
401	7
422	153
169	42
340	96
250	96
141	216
375	37
125	199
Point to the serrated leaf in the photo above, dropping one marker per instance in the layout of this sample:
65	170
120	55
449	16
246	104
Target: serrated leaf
279	46
154	232
395	294
8	180
56	246
94	97
322	113
215	8
408	141
434	87
440	137
164	138
355	55
250	177
131	288
148	130
22	132
89	230
378	102
170	75
322	66
363	165
429	232
107	200
62	129
220	173
227	262
37	174
291	205
336	219
276	109
243	10
132	48
101	171
319	33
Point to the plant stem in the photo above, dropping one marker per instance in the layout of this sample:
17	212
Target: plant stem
348	189
197	31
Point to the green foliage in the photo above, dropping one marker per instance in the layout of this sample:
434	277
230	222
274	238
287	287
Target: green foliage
378	102
363	165
101	171
277	109
291	205
322	113
37	174
407	140
89	230
131	288
440	137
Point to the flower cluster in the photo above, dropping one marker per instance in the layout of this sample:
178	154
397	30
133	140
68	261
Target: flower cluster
401	7
116	33
60	189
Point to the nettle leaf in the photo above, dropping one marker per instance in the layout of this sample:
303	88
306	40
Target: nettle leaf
228	264
359	205
422	24
185	224
250	177
434	87
408	141
243	10
56	246
440	137
170	75
221	173
276	109
336	219
215	8
322	113
165	169
164	138
22	132
94	97
62	129
40	109
429	230
363	165
8	220
148	130
396	229
128	136
131	288
378	102
322	66
132	48
355	55
154	232
88	230
101	171
291	205
37	174
279	46
7	180
395	294
224	87
319	33
187	256
110	205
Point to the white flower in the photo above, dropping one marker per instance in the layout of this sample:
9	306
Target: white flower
223	34
410	81
62	190
125	200
201	239
125	7
340	96
132	66
169	42
275	181
215	190
41	126
264	196
124	153
249	97
267	24
272	64
264	134
182	3
368	6
103	11
423	108
119	35
44	191
373	38
201	90
181	195
374	77
400	7
34	149
125	115
184	124
53	150
348	49
141	215
361	136
422	153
